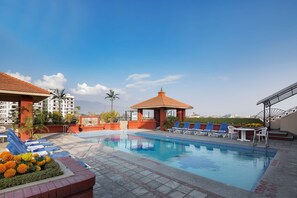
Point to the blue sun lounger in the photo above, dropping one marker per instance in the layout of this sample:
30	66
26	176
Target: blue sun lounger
223	131
182	129
194	130
176	125
207	130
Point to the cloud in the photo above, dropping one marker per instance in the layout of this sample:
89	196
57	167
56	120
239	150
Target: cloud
146	84
19	76
84	89
52	82
136	77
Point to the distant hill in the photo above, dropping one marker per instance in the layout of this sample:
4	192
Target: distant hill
97	107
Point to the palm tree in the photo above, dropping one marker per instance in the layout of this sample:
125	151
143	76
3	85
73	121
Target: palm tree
112	96
59	95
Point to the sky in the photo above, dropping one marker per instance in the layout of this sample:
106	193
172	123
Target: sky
221	57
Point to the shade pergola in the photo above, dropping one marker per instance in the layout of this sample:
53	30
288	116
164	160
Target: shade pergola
276	98
16	90
160	104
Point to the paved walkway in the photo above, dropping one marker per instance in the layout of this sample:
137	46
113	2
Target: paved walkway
120	174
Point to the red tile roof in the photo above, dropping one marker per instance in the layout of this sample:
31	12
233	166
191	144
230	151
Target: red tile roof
161	101
12	86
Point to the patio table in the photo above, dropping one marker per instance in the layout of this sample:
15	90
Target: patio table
243	133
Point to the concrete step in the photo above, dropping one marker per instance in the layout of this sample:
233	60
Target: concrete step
285	138
278	133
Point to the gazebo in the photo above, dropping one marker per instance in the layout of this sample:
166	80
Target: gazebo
16	90
160	104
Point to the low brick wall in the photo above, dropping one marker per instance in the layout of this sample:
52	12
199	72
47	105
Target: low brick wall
144	124
78	185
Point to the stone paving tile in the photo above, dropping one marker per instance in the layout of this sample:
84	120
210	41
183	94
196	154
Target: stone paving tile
184	189
172	184
153	176
139	191
145	172
145	179
154	184
176	194
130	185
197	194
137	176
162	180
164	189
127	195
150	195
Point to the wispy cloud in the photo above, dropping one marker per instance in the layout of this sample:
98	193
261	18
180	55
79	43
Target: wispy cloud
52	82
136	77
19	76
146	84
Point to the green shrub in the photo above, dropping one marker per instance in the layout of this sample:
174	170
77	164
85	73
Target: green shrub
109	117
52	169
170	120
230	121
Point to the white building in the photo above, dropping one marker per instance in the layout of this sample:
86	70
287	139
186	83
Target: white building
5	111
49	105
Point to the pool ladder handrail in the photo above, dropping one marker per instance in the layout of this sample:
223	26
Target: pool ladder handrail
67	129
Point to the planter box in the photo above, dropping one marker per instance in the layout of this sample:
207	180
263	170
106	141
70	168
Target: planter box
78	184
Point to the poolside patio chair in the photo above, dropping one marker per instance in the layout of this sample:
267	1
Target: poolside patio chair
19	150
261	132
223	131
2	129
193	130
36	147
30	142
182	129
207	130
175	126
231	132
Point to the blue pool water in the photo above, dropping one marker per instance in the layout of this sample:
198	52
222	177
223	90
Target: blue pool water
241	167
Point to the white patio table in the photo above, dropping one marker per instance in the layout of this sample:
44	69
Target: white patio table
243	133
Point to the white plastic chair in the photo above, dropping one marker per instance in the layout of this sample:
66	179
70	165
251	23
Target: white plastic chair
261	132
231	131
2	129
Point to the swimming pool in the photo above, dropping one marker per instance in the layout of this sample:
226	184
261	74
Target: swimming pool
237	166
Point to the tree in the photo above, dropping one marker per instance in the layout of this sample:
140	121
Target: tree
60	96
112	96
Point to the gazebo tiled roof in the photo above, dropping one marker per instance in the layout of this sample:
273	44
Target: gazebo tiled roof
161	101
12	88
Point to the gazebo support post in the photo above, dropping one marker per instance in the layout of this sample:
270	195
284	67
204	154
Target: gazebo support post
139	117
25	113
162	118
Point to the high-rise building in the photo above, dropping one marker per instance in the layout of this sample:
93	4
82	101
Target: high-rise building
6	109
49	105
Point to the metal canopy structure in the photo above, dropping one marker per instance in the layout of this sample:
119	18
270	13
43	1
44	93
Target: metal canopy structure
276	98
279	96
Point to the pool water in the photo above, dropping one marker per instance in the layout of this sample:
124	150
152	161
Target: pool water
241	167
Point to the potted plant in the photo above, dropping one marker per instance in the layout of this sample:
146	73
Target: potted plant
28	130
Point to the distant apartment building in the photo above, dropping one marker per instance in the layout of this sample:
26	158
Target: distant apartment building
49	105
5	111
